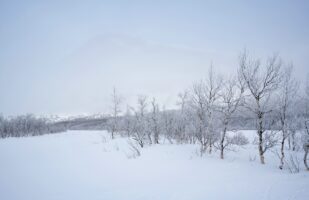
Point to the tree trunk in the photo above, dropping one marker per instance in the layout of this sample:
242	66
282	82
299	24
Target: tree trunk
112	135
149	138
260	135
261	153
222	143
282	153
210	146
203	148
221	150
305	157
156	137
293	142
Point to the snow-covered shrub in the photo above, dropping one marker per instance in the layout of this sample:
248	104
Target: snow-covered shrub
239	139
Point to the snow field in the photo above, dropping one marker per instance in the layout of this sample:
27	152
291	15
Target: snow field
84	165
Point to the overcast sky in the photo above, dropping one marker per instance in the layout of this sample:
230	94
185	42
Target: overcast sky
64	57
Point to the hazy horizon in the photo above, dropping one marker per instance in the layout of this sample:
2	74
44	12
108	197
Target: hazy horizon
65	57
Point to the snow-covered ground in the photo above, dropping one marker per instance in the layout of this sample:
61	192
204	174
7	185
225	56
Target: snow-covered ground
87	165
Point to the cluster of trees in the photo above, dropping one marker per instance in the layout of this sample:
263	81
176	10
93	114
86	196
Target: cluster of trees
266	92
27	125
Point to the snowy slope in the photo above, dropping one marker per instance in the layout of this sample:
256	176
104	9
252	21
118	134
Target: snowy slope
87	165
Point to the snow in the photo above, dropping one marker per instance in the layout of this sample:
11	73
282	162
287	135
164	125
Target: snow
83	165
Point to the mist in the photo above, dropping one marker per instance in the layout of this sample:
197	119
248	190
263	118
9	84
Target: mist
65	57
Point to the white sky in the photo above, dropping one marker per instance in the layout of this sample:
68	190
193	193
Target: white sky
64	57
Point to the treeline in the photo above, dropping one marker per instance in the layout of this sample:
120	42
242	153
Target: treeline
27	125
263	94
84	123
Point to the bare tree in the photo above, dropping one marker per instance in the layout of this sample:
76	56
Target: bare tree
305	138
204	97
231	97
140	125
261	83
155	126
127	124
306	144
287	93
197	103
212	94
183	118
294	125
115	111
167	123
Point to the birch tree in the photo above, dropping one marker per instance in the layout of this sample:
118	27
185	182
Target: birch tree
261	81
204	96
183	119
305	137
115	111
128	122
140	124
305	140
213	86
198	106
155	126
287	93
231	97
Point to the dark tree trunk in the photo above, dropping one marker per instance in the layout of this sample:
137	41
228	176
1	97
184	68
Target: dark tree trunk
305	157
293	142
156	137
282	153
210	146
222	143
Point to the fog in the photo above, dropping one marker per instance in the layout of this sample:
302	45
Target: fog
65	57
